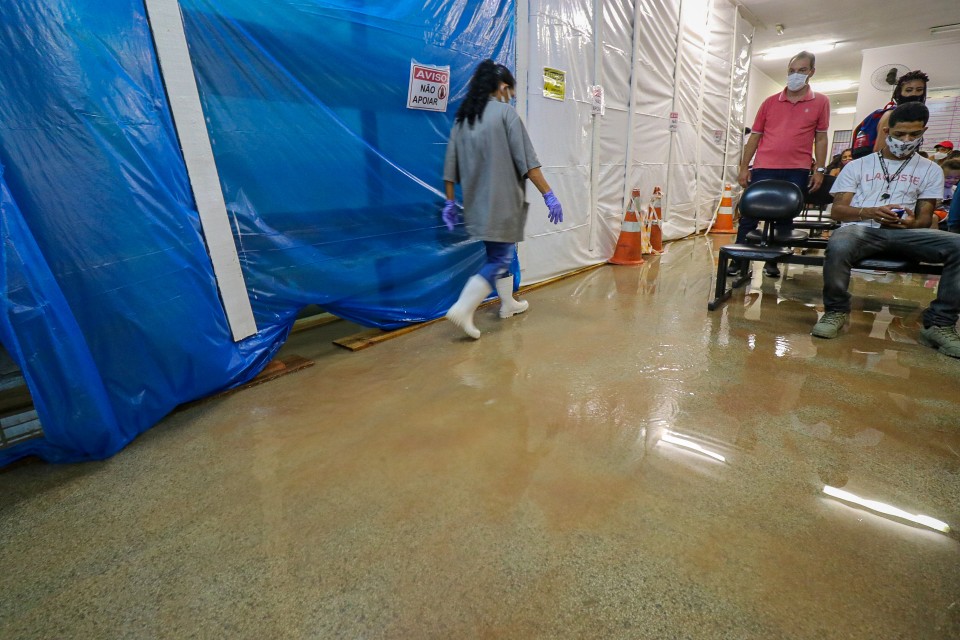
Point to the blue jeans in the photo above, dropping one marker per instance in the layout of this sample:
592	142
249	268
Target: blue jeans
799	177
852	243
499	258
953	218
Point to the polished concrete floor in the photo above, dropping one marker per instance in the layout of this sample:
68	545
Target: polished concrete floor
538	483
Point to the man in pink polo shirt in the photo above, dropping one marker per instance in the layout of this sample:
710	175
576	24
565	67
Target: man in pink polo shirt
787	126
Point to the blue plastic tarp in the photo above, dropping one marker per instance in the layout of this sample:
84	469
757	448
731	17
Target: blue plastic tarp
109	301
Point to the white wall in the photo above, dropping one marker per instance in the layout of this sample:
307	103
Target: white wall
839	122
760	88
941	61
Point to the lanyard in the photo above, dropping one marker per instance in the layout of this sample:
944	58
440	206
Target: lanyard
886	174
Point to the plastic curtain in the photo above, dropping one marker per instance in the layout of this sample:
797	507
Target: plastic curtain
562	38
109	302
652	57
332	184
655	59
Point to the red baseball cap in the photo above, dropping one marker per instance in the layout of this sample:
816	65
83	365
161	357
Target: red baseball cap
946	144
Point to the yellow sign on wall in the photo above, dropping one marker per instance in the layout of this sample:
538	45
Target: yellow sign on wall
554	84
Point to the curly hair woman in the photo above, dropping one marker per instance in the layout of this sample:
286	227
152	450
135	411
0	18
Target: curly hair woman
911	87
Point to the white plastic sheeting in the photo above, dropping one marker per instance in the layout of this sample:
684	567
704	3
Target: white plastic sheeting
652	57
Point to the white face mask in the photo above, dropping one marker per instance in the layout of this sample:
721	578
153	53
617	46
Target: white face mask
902	148
938	155
795	81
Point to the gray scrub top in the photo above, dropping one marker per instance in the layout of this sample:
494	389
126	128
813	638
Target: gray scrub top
490	160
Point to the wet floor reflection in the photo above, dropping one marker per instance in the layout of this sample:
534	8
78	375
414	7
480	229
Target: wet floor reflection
886	509
617	462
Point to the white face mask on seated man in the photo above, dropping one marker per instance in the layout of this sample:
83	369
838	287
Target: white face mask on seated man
902	148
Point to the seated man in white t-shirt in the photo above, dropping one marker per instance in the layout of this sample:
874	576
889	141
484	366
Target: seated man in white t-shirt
885	202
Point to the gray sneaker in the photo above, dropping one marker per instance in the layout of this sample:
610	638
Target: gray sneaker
943	339
830	324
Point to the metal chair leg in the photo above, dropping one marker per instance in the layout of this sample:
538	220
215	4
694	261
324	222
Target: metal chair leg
721	293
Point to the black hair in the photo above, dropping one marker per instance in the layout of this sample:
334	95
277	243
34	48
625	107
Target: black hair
806	55
486	79
909	112
505	76
835	162
908	77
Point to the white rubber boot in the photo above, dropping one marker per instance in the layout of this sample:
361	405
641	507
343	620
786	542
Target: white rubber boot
509	306
461	313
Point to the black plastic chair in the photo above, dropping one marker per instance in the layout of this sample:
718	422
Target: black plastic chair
819	199
768	201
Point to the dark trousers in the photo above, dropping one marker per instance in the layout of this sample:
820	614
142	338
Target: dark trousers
499	258
799	177
852	243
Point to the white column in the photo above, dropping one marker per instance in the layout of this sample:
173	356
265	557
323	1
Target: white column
166	23
668	186
634	82
595	124
522	76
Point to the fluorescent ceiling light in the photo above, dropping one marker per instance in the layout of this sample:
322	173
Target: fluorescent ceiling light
946	28
689	444
782	53
886	509
844	110
833	86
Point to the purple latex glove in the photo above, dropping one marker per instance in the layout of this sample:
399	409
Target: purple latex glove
450	214
556	211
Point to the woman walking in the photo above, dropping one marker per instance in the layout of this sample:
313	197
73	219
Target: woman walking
490	154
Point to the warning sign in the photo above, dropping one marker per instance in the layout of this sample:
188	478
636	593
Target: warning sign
599	102
554	84
429	87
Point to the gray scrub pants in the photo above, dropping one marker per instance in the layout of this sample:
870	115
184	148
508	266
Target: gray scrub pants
852	243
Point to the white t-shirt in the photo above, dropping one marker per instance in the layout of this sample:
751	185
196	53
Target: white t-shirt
864	178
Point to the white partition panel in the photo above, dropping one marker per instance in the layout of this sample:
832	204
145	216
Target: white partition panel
655	51
715	107
616	41
680	192
743	41
652	57
561	37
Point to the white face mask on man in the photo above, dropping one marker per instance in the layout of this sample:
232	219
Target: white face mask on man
938	155
902	148
795	81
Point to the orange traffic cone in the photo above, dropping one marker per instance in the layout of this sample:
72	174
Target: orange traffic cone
628	246
655	221
724	222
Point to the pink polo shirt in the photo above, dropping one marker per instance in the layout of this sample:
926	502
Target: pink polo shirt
788	130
